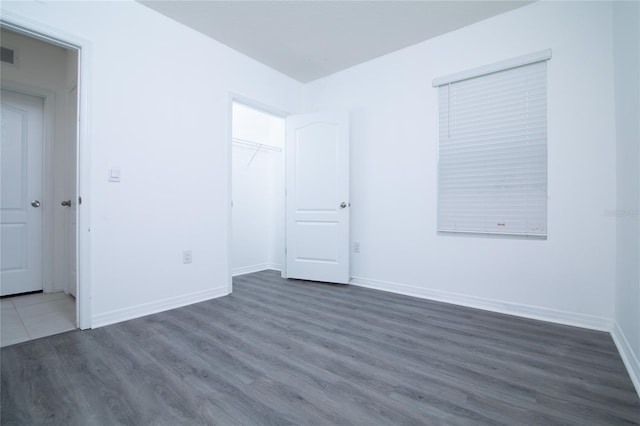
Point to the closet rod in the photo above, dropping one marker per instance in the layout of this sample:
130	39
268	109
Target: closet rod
252	144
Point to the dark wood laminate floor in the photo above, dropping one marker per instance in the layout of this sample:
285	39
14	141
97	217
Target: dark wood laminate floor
280	352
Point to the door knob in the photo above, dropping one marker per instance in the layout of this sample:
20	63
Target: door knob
343	205
66	203
35	203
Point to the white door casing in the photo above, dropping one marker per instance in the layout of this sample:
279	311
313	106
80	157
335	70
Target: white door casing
21	195
317	197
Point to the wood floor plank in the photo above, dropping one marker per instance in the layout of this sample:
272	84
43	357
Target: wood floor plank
362	372
372	361
448	323
269	334
290	352
533	364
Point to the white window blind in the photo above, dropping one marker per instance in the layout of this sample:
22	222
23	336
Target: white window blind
492	167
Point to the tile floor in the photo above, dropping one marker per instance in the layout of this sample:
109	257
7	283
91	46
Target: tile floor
35	315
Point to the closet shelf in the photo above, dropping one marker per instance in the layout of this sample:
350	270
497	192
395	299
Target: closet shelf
257	145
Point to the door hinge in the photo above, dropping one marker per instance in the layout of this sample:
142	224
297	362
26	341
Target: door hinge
79	200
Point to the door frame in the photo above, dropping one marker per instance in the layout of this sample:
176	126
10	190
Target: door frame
267	109
31	28
48	167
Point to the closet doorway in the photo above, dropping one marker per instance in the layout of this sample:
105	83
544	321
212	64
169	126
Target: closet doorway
257	189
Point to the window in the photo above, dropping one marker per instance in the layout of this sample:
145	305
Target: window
492	159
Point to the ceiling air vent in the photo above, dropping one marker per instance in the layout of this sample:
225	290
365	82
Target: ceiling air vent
8	55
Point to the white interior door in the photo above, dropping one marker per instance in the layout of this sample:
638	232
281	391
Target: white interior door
317	197
21	196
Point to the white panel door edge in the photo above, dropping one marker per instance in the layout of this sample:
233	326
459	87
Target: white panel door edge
317	197
72	215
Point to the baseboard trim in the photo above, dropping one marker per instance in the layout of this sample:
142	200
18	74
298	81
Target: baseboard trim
56	288
526	311
255	268
628	356
145	309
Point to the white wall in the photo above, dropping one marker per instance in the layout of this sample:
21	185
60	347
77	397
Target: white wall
258	192
44	69
158	102
568	277
626	24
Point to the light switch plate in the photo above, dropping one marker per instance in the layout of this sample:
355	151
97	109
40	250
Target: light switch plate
114	174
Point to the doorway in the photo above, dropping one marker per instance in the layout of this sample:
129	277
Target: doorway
257	176
39	187
313	242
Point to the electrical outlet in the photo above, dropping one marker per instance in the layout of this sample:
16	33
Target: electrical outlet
356	247
187	257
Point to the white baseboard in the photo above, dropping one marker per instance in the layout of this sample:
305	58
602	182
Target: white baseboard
132	312
526	311
629	358
255	268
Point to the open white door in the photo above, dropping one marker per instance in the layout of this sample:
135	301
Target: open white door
22	190
317	197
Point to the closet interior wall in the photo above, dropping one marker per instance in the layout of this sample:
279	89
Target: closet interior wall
257	190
